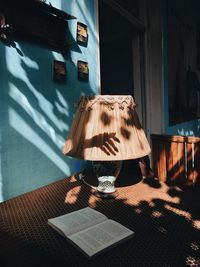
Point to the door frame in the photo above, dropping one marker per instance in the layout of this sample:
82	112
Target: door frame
137	59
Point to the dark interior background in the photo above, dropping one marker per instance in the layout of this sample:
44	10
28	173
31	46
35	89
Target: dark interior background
116	54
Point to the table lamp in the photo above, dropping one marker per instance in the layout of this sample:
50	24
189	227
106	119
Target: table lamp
106	130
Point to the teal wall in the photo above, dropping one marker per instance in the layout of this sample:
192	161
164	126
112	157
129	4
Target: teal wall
35	112
188	128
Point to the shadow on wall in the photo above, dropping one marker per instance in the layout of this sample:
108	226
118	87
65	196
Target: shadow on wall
36	114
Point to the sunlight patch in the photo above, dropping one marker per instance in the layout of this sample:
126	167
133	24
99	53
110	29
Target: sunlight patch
30	63
156	214
63	102
37	117
61	109
138	210
196	224
179	212
72	196
194	246
29	134
192	261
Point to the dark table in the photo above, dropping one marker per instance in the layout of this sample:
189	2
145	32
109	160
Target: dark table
164	236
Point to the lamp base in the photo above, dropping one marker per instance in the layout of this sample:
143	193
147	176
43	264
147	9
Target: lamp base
106	173
106	187
106	196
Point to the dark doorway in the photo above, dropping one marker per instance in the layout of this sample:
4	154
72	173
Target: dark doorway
116	49
117	34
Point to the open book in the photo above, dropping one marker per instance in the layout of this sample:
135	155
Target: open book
90	231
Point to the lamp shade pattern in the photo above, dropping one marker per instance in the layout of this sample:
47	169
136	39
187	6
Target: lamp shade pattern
106	127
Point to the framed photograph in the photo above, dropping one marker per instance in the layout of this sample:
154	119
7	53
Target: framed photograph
59	71
82	34
83	70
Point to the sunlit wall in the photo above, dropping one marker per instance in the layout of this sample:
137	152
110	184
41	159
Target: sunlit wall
35	112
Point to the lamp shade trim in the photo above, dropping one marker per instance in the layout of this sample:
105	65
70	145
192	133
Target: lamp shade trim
87	102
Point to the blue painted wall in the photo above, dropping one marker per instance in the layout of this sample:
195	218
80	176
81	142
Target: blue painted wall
188	128
35	112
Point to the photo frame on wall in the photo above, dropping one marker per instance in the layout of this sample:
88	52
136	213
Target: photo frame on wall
82	34
83	71
59	71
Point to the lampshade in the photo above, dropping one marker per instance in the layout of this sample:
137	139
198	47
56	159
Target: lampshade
106	128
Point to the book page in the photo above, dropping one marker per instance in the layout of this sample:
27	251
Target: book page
75	221
96	238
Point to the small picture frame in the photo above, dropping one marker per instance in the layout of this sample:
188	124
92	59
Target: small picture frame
83	71
82	34
59	71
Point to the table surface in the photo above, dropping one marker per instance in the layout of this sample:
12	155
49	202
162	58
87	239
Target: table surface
163	226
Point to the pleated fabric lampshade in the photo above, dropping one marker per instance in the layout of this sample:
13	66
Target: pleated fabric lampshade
106	128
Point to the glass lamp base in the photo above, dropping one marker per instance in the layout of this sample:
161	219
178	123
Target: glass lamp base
106	195
106	173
